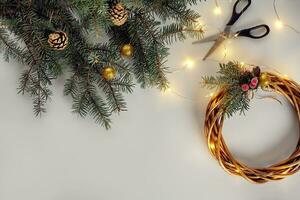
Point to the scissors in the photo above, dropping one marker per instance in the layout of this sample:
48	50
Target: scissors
228	34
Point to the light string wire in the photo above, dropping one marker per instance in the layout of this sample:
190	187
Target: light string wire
217	3
189	63
218	11
215	118
280	23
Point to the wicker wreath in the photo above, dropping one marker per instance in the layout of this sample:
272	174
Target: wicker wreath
214	120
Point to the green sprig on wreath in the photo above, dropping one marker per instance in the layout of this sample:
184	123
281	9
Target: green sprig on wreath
239	82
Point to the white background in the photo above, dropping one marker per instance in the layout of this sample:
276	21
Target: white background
156	150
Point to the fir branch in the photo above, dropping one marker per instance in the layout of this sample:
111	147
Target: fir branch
71	86
114	98
230	80
150	52
174	32
32	21
174	10
12	48
99	111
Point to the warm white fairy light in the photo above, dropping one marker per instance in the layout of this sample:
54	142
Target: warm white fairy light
279	24
189	63
210	95
217	10
168	90
242	64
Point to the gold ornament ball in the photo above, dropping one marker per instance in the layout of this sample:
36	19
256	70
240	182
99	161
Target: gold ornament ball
127	50
109	73
264	80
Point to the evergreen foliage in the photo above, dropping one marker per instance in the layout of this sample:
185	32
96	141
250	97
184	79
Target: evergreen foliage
230	78
151	26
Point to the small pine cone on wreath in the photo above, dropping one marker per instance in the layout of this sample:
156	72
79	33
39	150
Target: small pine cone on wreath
118	12
58	40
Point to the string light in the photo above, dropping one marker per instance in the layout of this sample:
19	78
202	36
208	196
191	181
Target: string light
189	63
279	24
210	95
170	90
217	10
167	90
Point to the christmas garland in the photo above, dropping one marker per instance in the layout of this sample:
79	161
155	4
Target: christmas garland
63	37
236	86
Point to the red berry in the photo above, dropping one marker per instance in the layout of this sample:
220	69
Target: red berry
245	87
254	83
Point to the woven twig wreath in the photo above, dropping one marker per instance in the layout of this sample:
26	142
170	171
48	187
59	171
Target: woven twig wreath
214	121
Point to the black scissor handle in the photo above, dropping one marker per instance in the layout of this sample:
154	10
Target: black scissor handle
265	30
235	15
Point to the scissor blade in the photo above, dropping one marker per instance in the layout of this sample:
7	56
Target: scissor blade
208	39
218	42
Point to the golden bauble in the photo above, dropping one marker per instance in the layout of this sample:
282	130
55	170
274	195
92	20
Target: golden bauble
109	73
127	50
264	80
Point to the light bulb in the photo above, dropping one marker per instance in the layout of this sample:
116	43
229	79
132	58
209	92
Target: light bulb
217	10
168	90
210	95
242	64
279	24
189	63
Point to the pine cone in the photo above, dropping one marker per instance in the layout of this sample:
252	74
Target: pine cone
118	13
58	40
257	71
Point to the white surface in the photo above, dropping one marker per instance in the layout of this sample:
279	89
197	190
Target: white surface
156	150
